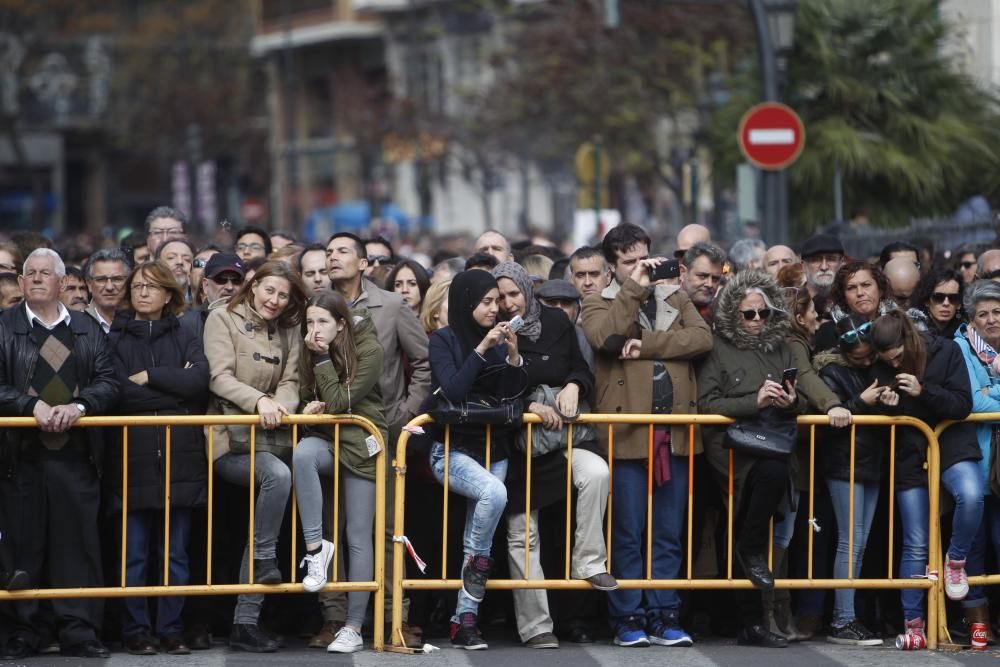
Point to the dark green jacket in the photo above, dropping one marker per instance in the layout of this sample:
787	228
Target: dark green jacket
320	381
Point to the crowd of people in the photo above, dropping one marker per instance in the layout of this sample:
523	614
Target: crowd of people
262	325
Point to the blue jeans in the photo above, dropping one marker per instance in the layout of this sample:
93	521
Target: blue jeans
141	526
785	529
628	525
964	481
487	499
865	501
913	561
975	564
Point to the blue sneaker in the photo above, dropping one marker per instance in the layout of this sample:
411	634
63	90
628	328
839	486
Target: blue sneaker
630	633
667	631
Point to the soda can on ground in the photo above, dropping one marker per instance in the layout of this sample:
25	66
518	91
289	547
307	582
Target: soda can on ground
911	642
978	633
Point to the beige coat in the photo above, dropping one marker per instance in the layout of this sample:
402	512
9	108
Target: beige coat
678	336
231	341
400	333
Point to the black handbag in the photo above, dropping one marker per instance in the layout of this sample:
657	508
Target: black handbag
476	409
771	435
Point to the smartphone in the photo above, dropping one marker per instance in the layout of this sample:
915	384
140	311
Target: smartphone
516	323
894	386
788	377
668	269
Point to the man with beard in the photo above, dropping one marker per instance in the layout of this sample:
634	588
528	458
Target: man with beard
701	275
822	256
178	253
74	294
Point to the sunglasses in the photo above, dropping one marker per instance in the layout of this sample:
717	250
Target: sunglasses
967	265
232	280
992	275
941	297
679	254
856	335
763	314
380	259
199	263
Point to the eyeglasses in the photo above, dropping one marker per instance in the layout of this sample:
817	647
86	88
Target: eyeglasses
243	247
152	288
966	265
173	231
117	281
941	297
753	314
199	263
380	259
992	275
232	280
856	335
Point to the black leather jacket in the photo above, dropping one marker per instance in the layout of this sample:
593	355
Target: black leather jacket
18	357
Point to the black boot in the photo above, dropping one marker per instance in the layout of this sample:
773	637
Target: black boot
755	567
246	637
758	635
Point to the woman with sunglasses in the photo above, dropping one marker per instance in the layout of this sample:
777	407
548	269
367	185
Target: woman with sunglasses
741	378
846	369
939	298
253	345
931	379
163	371
979	341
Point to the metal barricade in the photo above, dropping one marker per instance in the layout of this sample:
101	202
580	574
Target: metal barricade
978	580
401	583
210	588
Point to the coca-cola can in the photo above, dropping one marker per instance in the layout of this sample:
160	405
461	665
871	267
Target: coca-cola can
978	633
911	642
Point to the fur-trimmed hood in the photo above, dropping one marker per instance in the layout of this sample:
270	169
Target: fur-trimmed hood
831	356
727	315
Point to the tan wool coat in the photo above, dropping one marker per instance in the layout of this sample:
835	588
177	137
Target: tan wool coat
678	336
232	339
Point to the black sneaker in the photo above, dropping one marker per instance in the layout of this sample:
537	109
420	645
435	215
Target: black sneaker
465	634
265	571
474	576
852	634
246	637
759	635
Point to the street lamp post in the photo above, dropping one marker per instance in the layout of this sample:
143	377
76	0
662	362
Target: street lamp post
774	24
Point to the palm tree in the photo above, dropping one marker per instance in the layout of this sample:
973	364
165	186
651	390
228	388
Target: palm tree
881	98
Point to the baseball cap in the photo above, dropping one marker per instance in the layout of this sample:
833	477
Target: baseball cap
224	261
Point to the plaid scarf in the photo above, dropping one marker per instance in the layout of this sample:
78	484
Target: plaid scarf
983	350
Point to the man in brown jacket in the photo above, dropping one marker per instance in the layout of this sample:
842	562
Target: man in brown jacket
400	333
645	337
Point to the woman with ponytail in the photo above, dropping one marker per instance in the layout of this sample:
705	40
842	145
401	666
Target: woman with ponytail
339	371
928	376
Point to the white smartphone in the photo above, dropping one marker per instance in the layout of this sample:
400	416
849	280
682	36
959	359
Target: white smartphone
516	323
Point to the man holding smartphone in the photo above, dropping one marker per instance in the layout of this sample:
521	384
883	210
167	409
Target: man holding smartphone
645	336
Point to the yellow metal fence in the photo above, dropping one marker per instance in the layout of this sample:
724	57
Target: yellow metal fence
687	582
210	587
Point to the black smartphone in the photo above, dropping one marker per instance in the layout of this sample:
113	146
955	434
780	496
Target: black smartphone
668	269
788	377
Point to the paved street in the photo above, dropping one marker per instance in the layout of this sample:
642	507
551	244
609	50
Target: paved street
810	654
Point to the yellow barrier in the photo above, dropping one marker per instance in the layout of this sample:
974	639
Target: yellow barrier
982	579
216	589
401	584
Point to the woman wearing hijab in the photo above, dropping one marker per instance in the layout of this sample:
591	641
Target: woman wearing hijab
475	355
548	343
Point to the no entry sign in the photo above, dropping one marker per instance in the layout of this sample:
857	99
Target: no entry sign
771	136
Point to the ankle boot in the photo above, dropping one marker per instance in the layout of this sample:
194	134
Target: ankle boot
980	614
784	624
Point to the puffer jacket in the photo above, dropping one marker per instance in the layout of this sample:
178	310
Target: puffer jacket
732	373
321	382
249	359
18	357
946	395
834	444
677	336
163	349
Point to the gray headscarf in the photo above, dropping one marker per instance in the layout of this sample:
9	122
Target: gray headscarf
532	328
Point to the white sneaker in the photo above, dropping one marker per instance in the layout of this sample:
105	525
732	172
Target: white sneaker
346	641
316	567
956	583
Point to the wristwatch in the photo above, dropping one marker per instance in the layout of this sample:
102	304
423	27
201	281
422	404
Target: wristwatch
82	408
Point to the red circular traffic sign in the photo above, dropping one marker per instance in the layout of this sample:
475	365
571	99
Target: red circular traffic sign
771	136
